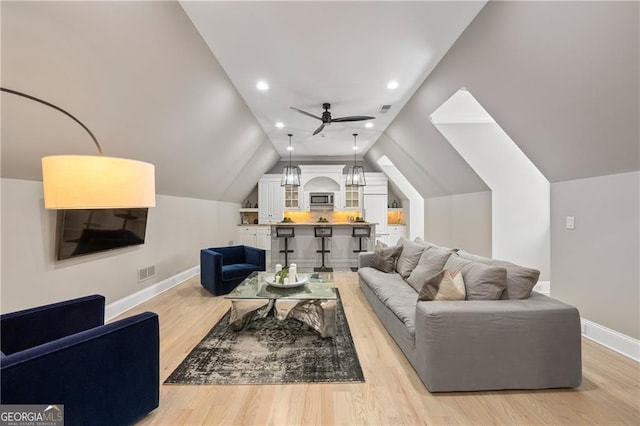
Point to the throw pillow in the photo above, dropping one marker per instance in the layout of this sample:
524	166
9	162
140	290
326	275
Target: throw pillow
520	280
444	285
409	257
385	257
431	262
482	282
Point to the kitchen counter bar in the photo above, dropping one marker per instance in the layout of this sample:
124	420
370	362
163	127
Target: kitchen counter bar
305	244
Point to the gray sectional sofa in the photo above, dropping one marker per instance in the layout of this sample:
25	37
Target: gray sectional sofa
519	340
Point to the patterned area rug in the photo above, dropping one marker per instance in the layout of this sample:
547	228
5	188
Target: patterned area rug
269	351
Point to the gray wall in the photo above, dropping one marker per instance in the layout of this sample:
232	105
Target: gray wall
460	221
176	231
139	75
562	79
595	266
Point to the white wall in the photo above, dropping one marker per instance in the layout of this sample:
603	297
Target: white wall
176	231
520	201
460	221
596	265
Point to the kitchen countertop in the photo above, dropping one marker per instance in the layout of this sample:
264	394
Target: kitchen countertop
322	223
309	224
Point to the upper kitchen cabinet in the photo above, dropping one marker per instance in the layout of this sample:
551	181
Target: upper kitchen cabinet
292	198
270	199
352	197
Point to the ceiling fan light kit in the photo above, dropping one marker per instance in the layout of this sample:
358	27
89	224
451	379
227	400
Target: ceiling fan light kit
327	120
355	173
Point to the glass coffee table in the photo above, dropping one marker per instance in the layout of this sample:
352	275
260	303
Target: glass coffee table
313	303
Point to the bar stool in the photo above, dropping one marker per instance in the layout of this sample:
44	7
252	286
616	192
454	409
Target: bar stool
285	232
323	232
360	232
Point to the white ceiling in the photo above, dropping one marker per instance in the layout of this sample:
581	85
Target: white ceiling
343	53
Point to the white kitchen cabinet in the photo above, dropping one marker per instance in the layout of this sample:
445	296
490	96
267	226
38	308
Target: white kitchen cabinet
255	236
270	199
396	232
292	198
263	236
352	196
374	202
375	210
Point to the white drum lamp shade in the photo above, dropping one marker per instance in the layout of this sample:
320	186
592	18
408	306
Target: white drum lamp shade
97	182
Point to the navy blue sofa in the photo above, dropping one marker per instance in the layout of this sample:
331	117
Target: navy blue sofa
64	354
223	268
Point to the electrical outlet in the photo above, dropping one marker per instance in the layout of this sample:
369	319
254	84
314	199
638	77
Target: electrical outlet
584	328
230	243
571	222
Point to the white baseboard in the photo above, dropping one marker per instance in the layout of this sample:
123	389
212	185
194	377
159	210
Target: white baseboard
618	342
118	307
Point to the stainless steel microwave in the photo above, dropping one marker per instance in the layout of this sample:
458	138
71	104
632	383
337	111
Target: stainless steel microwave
321	200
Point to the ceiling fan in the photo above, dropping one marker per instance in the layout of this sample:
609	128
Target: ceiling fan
327	120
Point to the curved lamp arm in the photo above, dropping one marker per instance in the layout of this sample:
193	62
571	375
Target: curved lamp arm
33	98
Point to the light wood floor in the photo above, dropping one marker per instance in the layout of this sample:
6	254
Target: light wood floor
392	392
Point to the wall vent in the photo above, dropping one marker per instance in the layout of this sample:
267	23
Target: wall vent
146	273
384	108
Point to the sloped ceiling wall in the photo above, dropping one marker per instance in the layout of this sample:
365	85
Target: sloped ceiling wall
141	78
561	78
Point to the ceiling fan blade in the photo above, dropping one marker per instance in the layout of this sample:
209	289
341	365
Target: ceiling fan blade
306	113
319	129
353	118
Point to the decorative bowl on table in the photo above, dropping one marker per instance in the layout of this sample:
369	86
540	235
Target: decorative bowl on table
301	279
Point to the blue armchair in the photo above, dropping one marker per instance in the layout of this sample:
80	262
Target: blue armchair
223	268
64	354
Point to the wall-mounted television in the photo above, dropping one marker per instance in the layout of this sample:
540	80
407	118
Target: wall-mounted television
87	231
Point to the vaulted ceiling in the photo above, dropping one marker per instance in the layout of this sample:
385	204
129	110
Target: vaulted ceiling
561	78
342	53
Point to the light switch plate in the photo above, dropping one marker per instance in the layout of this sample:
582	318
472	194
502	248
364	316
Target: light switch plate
571	222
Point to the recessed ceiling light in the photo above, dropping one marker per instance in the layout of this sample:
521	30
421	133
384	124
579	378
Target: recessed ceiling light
289	148
262	85
355	148
368	125
392	85
279	124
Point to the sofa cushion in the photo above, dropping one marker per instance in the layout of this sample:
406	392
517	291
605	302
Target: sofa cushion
394	292
239	270
409	256
482	282
444	285
431	262
520	280
385	257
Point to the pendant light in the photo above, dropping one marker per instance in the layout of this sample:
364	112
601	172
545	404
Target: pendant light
355	173
290	173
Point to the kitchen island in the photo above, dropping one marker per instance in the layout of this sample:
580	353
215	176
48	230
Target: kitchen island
305	244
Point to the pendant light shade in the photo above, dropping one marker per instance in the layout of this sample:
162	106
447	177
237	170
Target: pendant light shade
355	173
290	173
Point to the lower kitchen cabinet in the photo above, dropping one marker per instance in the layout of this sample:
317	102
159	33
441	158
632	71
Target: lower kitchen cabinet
395	232
255	236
